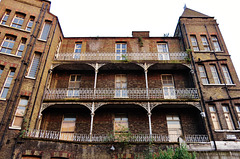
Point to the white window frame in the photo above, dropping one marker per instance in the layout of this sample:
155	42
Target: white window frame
68	135
46	29
226	73
203	74
31	69
121	82
10	40
20	51
6	14
73	86
1	70
30	23
205	43
215	74
21	114
9	77
168	89
77	50
238	112
121	51
216	43
163	53
194	42
214	117
172	120
228	117
20	20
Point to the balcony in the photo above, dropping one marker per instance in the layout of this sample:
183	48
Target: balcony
105	56
130	93
138	138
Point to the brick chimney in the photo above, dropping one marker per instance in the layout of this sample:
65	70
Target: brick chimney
140	33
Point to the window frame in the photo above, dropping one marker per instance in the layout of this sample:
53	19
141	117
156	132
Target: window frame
69	137
5	82
194	42
215	74
203	74
47	31
11	40
168	88
7	13
216	43
1	70
228	117
77	50
30	22
214	114
205	43
74	90
20	20
121	122
22	43
227	75
31	66
163	51
174	118
121	92
121	55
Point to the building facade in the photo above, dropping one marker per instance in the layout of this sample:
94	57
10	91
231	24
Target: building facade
113	97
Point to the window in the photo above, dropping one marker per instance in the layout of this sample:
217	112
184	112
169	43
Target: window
215	74
74	85
8	44
1	70
45	30
5	17
7	84
205	43
216	43
168	87
120	123
238	112
163	53
77	50
30	23
121	51
227	74
18	20
228	117
174	127
20	112
203	74
214	117
194	43
121	86
21	47
34	65
68	127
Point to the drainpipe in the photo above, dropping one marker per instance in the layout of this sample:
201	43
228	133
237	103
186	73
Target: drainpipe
199	86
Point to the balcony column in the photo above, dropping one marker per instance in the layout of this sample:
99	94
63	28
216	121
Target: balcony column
149	119
146	78
95	80
92	116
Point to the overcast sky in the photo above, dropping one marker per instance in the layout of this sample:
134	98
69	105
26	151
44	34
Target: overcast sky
89	18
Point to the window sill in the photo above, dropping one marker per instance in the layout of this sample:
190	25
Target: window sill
33	78
4	99
10	55
211	51
219	84
15	28
15	128
42	40
230	131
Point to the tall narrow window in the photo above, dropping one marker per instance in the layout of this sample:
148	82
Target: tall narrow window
8	44
34	65
121	51
30	23
1	70
228	117
68	127
21	47
174	127
18	20
215	74
20	112
121	86
214	117
74	85
203	74
77	50
168	87
227	74
120	123
215	43
5	16
194	43
7	84
45	30
238	112
163	53
205	43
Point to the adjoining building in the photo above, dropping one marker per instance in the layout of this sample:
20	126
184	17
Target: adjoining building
111	97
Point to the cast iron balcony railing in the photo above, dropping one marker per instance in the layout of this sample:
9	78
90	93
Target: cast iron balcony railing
76	137
130	93
105	56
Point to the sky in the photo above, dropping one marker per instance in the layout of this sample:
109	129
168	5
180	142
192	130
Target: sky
91	18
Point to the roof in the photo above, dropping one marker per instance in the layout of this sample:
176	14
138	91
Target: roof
189	13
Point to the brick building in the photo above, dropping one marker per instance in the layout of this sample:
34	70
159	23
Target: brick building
110	97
